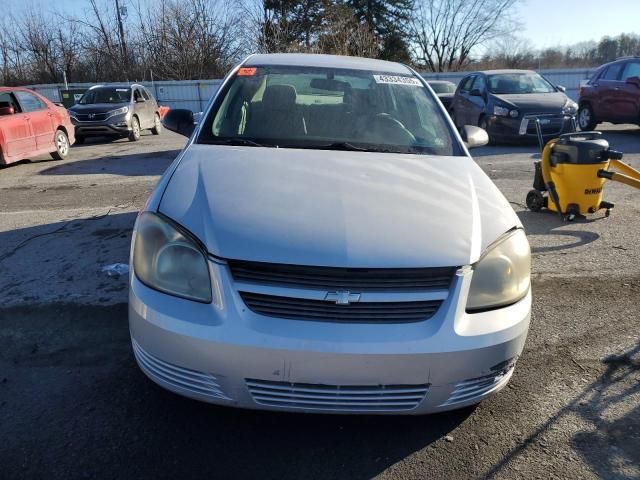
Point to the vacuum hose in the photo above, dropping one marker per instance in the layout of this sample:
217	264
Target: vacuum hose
619	177
546	175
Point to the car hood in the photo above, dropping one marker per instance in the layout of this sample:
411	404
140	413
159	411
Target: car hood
535	102
335	208
97	107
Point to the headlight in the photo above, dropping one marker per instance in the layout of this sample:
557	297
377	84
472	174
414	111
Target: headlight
570	107
119	111
72	115
514	113
502	275
168	260
500	111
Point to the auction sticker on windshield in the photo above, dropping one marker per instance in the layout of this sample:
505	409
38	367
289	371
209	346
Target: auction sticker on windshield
397	80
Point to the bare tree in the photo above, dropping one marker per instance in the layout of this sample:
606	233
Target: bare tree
344	35
511	51
445	32
188	39
101	41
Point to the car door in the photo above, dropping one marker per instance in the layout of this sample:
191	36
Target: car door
461	105
151	103
16	129
40	118
142	108
605	86
627	95
477	103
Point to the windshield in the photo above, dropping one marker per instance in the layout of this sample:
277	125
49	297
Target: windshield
304	107
443	87
519	83
106	95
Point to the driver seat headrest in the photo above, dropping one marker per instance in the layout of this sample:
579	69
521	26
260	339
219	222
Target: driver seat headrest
279	97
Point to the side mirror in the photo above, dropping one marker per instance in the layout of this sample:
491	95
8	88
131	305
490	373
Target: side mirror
560	88
180	121
634	81
474	136
6	111
476	92
140	100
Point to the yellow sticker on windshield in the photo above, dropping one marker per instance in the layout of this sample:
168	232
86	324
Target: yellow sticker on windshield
397	80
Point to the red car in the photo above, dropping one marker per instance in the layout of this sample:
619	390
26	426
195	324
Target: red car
31	125
612	95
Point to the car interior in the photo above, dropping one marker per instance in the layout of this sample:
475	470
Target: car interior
329	109
8	101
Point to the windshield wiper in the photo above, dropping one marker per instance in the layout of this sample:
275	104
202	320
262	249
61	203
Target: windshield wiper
338	146
245	142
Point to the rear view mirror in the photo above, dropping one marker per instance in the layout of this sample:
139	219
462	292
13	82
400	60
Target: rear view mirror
180	121
6	111
560	88
330	85
474	136
634	81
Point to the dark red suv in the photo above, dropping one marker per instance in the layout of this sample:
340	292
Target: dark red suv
612	94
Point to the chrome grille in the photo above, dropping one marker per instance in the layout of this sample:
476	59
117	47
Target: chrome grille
180	378
331	278
476	389
323	311
86	117
353	398
554	125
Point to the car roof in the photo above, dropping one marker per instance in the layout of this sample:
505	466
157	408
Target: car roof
4	89
440	82
504	71
325	61
115	85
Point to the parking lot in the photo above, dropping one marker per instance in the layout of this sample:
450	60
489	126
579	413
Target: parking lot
73	403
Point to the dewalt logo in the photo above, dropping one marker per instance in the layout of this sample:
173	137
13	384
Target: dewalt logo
593	191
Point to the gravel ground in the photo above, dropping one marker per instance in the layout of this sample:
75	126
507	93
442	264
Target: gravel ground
73	404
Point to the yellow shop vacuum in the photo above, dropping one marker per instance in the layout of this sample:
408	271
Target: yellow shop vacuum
570	177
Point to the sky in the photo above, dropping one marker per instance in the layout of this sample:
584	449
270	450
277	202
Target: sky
546	23
549	23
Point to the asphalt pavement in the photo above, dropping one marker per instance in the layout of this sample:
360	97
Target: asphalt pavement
73	403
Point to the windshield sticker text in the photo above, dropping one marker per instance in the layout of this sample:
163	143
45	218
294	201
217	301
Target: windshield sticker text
397	80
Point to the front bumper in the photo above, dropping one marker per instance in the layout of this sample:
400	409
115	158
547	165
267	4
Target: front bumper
115	126
508	129
239	358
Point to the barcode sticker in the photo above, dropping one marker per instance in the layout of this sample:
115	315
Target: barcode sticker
397	80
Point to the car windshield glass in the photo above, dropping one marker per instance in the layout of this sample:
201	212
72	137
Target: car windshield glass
106	95
444	87
323	108
507	83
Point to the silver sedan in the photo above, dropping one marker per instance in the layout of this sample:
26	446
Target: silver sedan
325	243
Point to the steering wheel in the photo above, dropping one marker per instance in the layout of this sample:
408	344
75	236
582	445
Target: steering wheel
390	129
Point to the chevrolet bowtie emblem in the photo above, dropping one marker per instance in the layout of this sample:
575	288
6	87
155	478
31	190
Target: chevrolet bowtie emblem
342	297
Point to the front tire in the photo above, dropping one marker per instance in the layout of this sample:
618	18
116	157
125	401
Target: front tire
134	134
62	145
586	118
157	125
